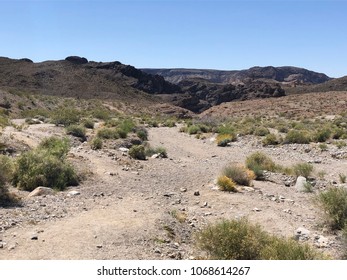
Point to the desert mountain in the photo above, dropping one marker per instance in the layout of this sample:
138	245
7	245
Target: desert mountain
286	74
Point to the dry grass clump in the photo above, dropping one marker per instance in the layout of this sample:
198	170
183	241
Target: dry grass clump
226	184
258	162
239	174
224	139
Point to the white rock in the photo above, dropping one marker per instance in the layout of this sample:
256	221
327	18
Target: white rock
302	233
124	150
300	184
73	193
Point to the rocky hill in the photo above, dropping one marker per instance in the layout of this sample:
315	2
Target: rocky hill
77	77
283	75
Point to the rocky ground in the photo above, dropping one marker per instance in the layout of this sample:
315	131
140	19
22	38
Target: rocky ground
130	209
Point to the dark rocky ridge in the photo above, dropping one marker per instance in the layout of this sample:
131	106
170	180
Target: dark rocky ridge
285	75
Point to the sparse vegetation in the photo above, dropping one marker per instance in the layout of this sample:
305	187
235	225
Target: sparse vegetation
108	133
224	139
297	136
66	116
342	178
6	172
160	151
270	139
241	240
258	162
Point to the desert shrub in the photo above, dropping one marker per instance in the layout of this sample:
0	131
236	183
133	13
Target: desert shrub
142	133
261	131
193	129
322	135
270	139
225	129
342	178
241	240
224	139
108	133
66	116
289	249
297	136
226	184
149	151
137	152
6	172
239	174
258	162
340	144
96	144
302	169
122	133
41	168
4	121
88	123
77	131
334	203
101	113
56	146
127	125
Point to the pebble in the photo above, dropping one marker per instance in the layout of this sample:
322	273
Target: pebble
196	193
99	246
256	209
183	189
73	193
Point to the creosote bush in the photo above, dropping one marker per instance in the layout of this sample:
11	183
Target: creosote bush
334	203
45	166
77	131
241	240
137	152
239	174
6	172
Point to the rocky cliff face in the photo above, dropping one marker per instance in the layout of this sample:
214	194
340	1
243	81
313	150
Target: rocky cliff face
284	75
200	96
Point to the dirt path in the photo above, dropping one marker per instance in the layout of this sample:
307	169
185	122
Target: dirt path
126	210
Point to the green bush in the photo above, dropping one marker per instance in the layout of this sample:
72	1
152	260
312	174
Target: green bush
239	174
88	123
322	135
55	146
270	139
96	144
297	136
302	169
108	133
66	116
334	204
193	129
41	168
137	152
142	133
258	162
240	240
6	172
261	131
77	131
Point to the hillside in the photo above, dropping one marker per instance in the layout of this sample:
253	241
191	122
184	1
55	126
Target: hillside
286	74
76	77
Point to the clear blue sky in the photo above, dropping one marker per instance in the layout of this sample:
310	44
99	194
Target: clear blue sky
190	34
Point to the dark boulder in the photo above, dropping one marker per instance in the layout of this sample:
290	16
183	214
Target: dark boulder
77	59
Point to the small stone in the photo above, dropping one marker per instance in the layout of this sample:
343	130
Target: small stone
302	234
196	193
300	184
34	237
287	211
124	150
183	189
99	246
256	209
155	156
157	251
